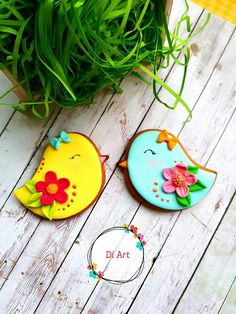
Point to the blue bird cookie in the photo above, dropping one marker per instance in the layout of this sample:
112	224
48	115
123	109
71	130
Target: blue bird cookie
159	171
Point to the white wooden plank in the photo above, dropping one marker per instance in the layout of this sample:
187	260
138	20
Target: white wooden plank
17	144
30	282
70	288
173	268
229	307
5	112
217	270
188	239
115	113
191	233
83	120
18	224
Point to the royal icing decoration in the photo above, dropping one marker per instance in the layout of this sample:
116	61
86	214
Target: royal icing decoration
181	181
171	140
52	189
69	178
63	137
159	171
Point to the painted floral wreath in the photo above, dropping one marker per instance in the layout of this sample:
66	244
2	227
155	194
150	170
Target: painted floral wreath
182	180
93	273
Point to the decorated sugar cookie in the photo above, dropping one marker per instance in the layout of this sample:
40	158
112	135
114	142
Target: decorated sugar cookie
159	171
68	180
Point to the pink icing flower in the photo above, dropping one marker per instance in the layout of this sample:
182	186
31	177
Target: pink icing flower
140	236
178	180
100	274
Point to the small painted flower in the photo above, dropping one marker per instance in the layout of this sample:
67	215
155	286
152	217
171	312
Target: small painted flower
126	228
178	180
140	236
100	274
144	242
139	246
92	274
52	189
94	266
135	236
89	267
134	229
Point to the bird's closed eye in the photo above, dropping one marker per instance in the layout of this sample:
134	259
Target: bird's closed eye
151	151
76	155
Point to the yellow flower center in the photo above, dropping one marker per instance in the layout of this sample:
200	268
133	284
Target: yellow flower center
178	180
52	188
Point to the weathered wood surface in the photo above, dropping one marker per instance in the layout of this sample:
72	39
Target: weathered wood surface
84	118
43	264
230	301
207	290
6	112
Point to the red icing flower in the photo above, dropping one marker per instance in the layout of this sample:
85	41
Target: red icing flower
53	189
178	180
134	229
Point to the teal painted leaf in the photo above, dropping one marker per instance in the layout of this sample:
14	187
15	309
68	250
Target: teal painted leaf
139	246
193	169
48	210
92	274
186	201
198	186
30	185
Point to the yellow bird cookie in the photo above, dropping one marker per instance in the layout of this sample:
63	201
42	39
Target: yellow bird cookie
70	177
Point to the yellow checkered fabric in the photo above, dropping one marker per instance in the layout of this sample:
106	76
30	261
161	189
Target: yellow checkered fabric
224	8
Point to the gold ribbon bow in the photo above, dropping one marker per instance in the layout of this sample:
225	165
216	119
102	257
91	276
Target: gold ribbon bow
171	140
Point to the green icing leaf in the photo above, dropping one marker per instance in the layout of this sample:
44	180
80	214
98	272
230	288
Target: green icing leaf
35	204
30	185
186	201
198	186
34	197
193	169
34	200
48	210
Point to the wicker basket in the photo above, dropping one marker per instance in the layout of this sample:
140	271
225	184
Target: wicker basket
22	94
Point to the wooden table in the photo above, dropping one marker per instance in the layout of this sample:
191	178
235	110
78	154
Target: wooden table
190	257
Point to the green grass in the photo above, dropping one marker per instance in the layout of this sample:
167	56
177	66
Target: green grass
67	50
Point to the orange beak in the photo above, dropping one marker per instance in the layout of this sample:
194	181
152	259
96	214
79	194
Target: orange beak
123	164
103	158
